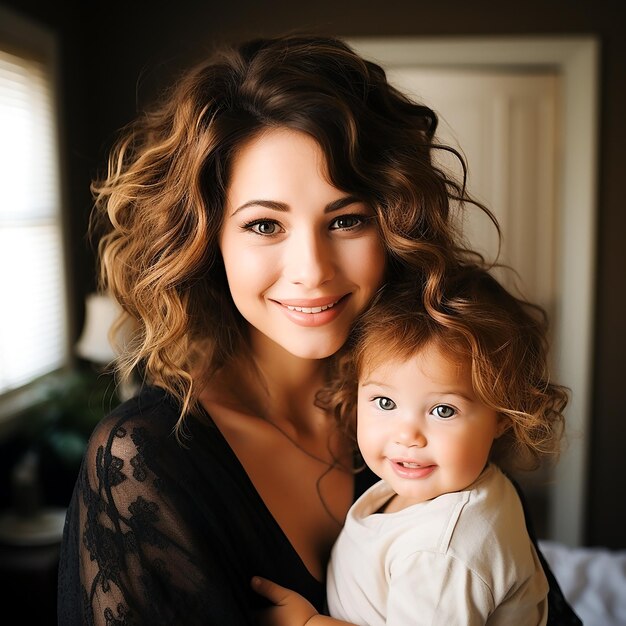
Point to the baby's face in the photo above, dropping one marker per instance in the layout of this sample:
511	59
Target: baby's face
421	427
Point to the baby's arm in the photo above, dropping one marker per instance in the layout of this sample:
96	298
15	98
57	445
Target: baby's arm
290	608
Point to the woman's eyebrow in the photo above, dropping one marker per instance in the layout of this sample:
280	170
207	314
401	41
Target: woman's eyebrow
268	204
275	205
337	205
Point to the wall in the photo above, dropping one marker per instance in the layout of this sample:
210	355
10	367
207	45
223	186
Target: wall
118	54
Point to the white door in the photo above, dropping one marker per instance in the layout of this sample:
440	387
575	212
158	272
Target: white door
504	125
524	111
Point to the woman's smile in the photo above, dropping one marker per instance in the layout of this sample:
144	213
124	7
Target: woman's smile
313	314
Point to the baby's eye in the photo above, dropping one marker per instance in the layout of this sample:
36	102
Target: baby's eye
386	404
262	227
444	411
347	222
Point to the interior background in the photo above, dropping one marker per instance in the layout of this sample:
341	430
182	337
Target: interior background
115	55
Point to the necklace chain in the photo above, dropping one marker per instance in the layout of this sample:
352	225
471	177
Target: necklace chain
329	467
303	450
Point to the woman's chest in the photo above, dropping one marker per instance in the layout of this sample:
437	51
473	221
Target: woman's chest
304	487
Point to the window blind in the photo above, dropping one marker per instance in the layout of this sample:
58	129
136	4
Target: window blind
33	316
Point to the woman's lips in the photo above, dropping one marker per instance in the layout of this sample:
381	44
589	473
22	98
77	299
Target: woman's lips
312	309
312	312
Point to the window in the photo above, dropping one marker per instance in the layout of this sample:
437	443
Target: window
33	315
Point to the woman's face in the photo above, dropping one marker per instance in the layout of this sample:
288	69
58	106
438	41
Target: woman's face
302	257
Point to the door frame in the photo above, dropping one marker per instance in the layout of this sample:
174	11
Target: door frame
576	60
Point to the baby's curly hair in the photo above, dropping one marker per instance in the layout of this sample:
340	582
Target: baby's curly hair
477	320
159	209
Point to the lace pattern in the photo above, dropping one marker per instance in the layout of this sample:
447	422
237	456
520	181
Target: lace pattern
133	553
138	546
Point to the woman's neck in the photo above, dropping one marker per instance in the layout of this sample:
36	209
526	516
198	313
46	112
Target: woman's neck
273	384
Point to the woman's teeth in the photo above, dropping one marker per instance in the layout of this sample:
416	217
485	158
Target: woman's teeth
311	309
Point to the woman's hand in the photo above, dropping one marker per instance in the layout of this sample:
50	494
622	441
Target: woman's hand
291	609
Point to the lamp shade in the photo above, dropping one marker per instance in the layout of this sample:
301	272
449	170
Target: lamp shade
94	345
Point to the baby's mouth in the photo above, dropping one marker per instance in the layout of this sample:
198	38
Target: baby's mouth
409	465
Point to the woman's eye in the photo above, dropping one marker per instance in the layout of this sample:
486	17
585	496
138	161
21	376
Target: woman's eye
347	222
444	411
262	227
386	404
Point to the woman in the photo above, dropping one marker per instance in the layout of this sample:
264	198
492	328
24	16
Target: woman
249	218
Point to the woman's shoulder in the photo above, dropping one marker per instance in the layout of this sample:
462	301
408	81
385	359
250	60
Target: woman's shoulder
149	399
151	414
149	405
148	426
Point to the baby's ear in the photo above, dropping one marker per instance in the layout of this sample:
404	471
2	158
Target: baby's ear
504	423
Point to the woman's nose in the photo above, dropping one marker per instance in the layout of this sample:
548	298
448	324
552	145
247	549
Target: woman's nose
309	260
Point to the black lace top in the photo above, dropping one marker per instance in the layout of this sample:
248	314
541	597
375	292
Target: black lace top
157	533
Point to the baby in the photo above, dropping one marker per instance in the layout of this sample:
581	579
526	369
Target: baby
448	396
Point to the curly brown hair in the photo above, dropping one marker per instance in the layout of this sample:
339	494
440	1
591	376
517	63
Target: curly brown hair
159	209
478	321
